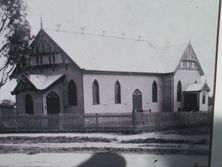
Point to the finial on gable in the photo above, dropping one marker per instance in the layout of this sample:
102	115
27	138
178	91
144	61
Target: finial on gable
41	24
189	41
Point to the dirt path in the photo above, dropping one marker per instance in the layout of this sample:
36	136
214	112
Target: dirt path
152	143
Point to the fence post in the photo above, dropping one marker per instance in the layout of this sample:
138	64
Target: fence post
97	124
134	120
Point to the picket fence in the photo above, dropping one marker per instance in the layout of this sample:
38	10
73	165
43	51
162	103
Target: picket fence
98	122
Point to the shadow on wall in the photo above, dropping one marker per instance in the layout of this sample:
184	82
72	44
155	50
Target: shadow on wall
104	159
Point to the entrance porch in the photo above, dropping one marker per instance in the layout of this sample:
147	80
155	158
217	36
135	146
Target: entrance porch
195	97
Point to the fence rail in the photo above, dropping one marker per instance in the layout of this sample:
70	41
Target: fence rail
137	121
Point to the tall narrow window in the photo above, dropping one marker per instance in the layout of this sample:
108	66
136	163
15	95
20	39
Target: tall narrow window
154	92
117	93
41	59
204	98
95	91
50	59
179	91
72	93
37	60
29	104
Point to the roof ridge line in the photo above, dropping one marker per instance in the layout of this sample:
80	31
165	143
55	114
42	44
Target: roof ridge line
170	45
103	36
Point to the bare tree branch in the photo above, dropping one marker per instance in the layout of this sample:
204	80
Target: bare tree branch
3	21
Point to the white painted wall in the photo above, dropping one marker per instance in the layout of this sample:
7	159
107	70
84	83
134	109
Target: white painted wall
185	77
129	83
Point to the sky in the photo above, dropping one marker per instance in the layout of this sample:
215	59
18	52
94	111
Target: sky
159	21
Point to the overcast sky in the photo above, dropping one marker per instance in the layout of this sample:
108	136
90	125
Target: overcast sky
159	21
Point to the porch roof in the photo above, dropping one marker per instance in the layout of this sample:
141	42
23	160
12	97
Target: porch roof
37	82
196	87
42	82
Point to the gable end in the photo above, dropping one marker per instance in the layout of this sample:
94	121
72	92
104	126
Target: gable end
189	61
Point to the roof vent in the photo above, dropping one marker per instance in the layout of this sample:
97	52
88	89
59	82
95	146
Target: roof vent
104	32
82	30
123	35
139	38
58	27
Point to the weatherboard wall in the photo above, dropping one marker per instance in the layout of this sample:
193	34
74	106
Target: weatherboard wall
168	92
37	102
129	83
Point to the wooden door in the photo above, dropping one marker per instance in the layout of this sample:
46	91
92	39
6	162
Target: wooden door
137	101
53	103
191	102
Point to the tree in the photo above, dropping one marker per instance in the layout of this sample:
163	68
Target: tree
14	37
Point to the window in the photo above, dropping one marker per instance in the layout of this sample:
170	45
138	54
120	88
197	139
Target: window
72	94
204	98
53	59
37	60
50	59
195	65
190	64
154	92
179	91
184	64
41	59
29	104
117	93
95	91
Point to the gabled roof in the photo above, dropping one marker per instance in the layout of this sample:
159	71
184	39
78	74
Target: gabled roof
37	82
106	53
196	87
171	55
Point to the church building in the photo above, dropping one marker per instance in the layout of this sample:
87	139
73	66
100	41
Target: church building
72	72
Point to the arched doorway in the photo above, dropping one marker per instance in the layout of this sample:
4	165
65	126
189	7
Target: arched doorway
29	104
137	101
53	103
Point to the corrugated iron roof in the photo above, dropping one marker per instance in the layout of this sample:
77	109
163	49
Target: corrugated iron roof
196	87
98	52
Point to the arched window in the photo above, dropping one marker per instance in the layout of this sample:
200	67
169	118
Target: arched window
29	104
179	91
204	98
72	93
117	93
95	91
154	92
